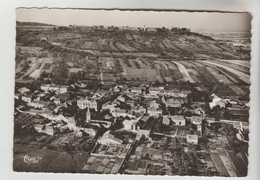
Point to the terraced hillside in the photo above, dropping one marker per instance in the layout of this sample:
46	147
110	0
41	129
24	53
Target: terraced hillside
112	54
140	43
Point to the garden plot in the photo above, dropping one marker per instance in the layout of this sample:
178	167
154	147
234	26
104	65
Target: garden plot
35	74
244	77
74	70
219	164
46	66
184	72
168	79
33	66
228	165
62	163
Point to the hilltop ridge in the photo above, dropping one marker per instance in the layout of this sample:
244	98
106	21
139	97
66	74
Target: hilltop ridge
174	43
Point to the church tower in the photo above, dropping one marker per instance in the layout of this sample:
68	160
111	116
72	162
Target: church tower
88	116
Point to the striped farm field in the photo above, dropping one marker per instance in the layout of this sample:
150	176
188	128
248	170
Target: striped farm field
38	66
184	72
244	77
238	163
169	65
36	73
227	163
220	77
47	66
163	66
238	90
219	165
240	63
235	66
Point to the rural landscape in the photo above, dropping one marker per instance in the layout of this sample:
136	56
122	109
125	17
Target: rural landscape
131	100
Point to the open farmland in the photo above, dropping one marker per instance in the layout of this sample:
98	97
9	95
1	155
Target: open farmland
244	77
228	165
243	63
163	55
240	68
184	72
219	164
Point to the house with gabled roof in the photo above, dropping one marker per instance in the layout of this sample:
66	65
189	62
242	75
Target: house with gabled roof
108	139
109	106
200	112
38	127
178	120
156	90
152	111
63	97
83	103
90	131
137	90
173	103
121	98
71	124
50	87
44	129
117	112
63	89
24	90
172	92
26	98
117	89
196	120
141	109
154	104
192	139
130	125
49	130
39	104
166	120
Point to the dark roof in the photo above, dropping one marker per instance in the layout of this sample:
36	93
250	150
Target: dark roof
63	96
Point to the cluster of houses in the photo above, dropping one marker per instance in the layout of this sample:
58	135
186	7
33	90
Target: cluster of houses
134	105
167	91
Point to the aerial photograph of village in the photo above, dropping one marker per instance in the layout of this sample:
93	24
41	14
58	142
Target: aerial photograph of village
132	92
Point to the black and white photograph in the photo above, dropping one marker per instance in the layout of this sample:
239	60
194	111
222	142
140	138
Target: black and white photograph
132	92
